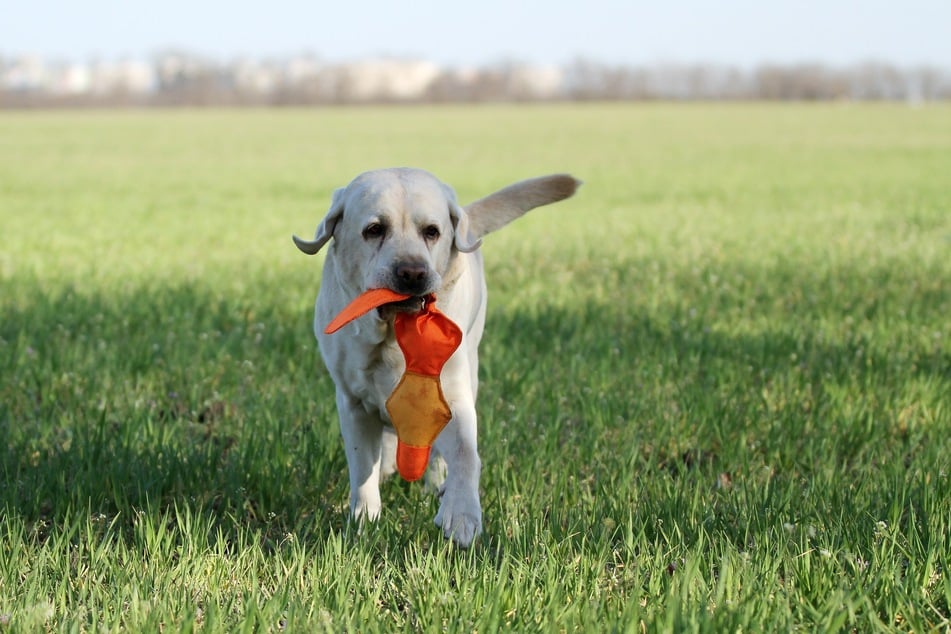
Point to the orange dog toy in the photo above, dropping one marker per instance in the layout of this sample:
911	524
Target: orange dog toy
417	406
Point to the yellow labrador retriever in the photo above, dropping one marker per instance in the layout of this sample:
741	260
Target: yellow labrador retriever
402	229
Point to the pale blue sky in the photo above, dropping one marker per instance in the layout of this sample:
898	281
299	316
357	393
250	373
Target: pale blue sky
740	32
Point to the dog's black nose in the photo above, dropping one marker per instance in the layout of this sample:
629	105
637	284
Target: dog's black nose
411	278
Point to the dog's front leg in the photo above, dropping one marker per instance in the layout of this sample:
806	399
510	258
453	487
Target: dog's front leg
460	514
362	436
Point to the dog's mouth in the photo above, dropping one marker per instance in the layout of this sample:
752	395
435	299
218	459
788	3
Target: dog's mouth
412	304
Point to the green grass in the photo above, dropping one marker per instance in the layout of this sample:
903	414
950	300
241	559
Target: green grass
716	385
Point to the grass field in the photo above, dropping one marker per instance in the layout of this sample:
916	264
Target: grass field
716	385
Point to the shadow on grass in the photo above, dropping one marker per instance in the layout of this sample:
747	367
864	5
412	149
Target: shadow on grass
159	396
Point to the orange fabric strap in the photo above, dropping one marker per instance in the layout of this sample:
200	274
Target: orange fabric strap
364	303
417	406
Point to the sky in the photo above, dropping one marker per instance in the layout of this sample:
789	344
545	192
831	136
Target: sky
735	32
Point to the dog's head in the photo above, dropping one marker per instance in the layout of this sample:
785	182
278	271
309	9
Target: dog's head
395	229
399	228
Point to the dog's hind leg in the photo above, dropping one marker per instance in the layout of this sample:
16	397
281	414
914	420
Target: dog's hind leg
388	452
435	473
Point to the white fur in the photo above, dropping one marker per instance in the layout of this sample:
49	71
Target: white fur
364	359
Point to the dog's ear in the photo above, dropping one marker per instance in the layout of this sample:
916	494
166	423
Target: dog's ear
462	236
497	210
325	230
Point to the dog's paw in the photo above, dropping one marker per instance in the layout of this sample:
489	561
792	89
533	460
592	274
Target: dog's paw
460	517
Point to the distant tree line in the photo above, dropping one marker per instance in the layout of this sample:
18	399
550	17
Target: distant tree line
872	81
182	80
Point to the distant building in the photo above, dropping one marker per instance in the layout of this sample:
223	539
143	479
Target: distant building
127	77
387	79
27	73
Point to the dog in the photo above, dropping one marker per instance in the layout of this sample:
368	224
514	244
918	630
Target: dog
403	229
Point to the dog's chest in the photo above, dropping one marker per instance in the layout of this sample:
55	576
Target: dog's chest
376	380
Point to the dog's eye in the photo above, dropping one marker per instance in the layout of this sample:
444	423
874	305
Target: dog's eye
373	231
431	232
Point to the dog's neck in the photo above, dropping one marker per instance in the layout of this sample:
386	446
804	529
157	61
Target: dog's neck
454	271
